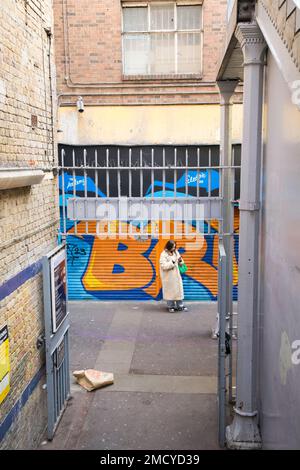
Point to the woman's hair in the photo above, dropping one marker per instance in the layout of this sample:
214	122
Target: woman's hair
170	245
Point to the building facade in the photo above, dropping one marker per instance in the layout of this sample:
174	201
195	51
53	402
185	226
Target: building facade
28	213
263	50
136	86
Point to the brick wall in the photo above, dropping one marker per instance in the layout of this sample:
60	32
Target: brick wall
28	225
28	215
18	437
286	18
89	57
22	312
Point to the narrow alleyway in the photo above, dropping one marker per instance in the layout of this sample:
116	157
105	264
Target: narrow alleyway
165	366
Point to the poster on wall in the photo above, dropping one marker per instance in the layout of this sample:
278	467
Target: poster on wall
4	364
58	289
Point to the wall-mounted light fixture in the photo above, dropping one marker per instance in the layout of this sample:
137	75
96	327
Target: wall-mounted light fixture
80	104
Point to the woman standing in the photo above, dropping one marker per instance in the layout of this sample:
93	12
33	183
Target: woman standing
171	277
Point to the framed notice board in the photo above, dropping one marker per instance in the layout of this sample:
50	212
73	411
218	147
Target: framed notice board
58	288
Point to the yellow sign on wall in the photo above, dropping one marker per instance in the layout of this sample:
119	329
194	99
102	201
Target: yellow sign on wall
4	364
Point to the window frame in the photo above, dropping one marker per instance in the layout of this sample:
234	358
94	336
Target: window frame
149	32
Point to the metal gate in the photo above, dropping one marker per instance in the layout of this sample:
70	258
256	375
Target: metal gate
128	192
56	335
122	181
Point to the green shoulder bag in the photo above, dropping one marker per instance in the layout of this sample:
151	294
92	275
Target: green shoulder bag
182	268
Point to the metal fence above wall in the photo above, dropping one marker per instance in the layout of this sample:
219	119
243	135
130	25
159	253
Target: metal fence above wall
174	192
143	184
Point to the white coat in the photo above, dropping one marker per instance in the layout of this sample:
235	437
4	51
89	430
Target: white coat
170	276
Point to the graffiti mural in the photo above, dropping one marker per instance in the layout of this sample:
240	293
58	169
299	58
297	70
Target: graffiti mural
128	268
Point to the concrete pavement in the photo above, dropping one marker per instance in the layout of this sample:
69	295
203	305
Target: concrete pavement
165	366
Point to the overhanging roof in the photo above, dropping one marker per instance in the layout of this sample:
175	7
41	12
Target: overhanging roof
231	67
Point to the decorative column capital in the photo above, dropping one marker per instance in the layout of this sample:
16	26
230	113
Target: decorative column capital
252	42
226	88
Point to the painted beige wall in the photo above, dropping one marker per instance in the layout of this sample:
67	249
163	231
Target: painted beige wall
145	125
280	267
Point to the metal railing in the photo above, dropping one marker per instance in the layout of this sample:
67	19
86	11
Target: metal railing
105	178
186	177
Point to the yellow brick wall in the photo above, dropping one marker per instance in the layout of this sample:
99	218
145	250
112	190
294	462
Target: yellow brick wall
287	23
28	216
22	313
29	222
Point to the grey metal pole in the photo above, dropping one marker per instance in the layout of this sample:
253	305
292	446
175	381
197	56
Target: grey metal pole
244	431
222	281
226	91
227	88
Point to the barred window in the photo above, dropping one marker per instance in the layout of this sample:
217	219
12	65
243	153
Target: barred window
162	39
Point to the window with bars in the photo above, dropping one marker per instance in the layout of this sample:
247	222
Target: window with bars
162	39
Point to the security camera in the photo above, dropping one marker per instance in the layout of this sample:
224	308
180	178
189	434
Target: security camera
80	104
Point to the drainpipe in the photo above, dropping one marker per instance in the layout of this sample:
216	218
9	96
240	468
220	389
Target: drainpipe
226	90
244	433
